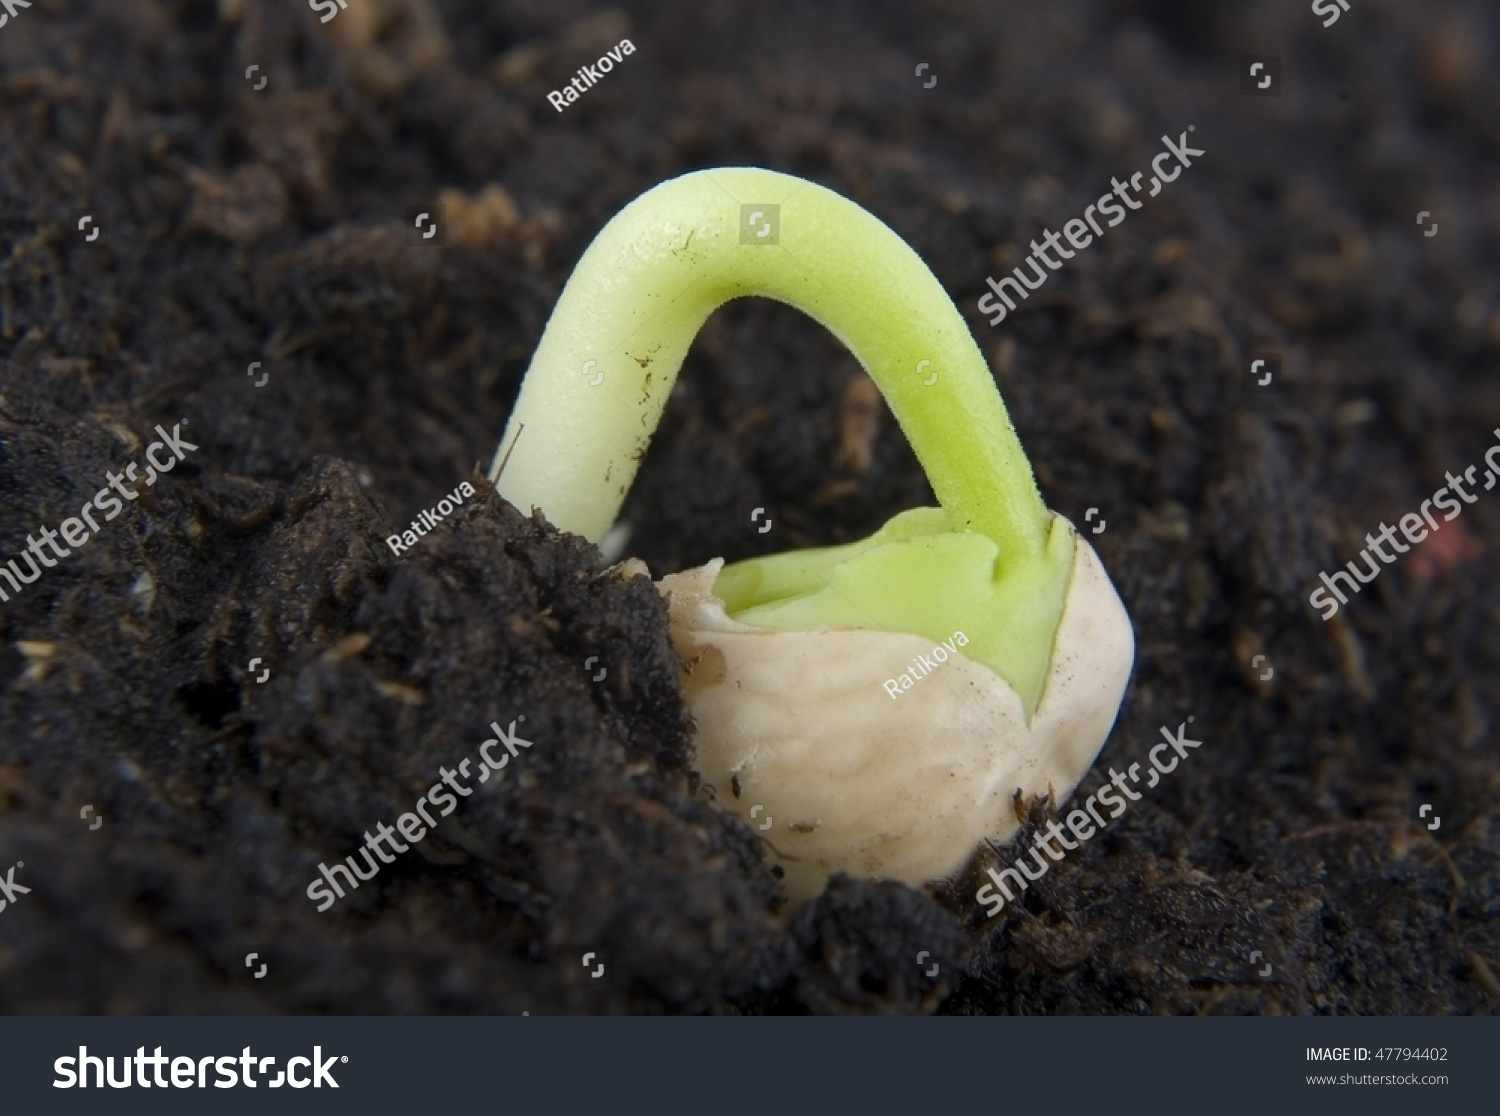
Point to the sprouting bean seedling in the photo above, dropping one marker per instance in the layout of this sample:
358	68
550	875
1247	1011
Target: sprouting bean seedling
785	657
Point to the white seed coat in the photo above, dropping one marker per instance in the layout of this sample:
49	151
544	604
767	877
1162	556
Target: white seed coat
901	790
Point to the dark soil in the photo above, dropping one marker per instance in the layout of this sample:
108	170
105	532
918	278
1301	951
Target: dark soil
273	225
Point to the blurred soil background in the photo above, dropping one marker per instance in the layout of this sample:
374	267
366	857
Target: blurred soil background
274	225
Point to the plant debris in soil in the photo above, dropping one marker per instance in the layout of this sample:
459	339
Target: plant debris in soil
272	225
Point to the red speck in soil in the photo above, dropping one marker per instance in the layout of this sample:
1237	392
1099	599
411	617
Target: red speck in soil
1443	550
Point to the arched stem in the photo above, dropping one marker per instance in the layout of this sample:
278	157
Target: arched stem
600	378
